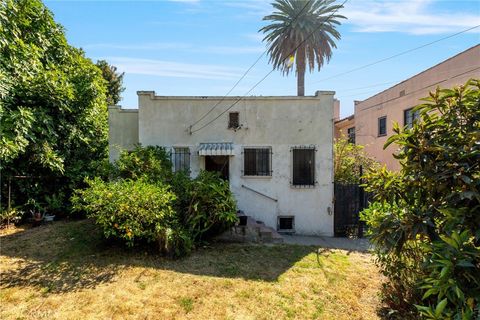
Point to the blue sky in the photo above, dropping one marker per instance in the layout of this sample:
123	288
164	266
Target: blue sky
202	47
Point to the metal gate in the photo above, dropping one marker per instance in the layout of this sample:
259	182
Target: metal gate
350	199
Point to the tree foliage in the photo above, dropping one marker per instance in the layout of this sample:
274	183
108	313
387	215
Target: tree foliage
428	214
53	117
305	30
114	82
349	160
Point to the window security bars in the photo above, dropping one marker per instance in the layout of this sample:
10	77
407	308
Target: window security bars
286	223
257	162
181	159
233	120
303	166
382	126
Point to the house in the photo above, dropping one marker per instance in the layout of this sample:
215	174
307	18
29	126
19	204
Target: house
373	118
276	152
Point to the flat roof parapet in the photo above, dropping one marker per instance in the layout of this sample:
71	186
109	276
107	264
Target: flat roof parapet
153	96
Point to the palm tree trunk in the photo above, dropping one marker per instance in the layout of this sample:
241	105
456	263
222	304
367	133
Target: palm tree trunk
300	57
301	83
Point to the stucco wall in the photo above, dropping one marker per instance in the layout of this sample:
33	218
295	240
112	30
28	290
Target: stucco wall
342	126
454	71
123	130
276	122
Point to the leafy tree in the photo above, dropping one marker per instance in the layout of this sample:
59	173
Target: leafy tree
426	223
349	160
309	28
114	82
53	117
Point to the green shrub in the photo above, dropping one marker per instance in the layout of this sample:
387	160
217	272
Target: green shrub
433	207
10	216
133	211
205	205
348	159
453	277
399	261
151	163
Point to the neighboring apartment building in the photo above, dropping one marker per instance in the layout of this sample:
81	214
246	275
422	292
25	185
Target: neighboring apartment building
372	122
276	152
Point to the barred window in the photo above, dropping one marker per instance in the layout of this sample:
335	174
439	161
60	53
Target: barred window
257	162
181	159
409	117
233	120
286	223
303	166
382	126
351	135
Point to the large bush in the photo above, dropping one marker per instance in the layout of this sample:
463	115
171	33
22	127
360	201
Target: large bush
205	205
426	224
145	201
350	161
133	211
151	163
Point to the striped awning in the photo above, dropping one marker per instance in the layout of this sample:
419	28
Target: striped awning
216	149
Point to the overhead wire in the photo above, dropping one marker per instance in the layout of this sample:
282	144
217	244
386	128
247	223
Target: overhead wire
389	82
244	74
421	89
271	71
396	55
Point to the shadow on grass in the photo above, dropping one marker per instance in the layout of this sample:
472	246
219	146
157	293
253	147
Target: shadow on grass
69	256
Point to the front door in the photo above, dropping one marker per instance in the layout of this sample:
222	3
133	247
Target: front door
217	164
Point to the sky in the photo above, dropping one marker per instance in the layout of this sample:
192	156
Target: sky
203	47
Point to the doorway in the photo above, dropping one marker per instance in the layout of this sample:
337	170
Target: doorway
218	164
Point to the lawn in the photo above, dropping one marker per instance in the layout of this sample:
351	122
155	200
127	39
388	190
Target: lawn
66	271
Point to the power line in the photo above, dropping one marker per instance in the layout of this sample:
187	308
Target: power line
418	90
271	71
398	83
371	86
396	55
244	74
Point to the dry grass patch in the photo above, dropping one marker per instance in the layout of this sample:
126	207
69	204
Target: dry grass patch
66	271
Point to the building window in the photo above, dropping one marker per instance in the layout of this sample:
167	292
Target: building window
181	159
233	120
409	117
351	135
303	166
257	161
286	223
382	126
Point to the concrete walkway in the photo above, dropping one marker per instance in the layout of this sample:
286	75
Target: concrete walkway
329	242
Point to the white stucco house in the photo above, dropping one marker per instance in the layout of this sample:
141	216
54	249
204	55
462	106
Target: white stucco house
276	152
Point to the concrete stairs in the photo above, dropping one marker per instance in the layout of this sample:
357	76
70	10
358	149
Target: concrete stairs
250	230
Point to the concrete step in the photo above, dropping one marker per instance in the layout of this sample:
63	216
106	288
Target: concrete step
250	230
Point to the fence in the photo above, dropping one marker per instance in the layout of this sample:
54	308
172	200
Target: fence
350	200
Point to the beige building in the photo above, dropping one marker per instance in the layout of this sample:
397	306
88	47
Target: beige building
276	152
372	122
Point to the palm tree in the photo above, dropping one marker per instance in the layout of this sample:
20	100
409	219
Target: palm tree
304	31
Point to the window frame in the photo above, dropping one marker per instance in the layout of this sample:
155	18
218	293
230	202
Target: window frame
351	136
415	116
173	159
269	162
286	230
232	125
313	175
380	134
